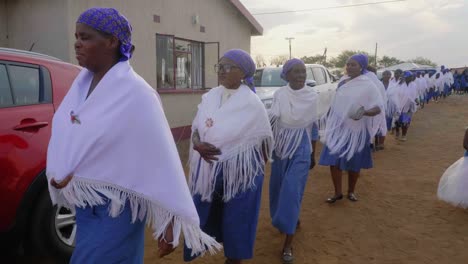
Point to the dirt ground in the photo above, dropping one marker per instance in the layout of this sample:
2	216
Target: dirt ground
398	218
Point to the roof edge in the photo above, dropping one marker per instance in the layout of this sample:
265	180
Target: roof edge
257	28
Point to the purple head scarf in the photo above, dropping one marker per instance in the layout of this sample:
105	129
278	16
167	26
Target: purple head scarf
362	60
245	63
289	65
110	21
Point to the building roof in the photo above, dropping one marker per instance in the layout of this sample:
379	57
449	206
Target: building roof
257	29
406	66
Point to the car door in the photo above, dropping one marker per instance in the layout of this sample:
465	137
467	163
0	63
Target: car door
325	87
26	112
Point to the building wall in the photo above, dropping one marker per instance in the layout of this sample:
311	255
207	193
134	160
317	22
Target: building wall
50	25
38	22
3	24
222	22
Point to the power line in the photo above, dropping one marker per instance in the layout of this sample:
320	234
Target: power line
326	8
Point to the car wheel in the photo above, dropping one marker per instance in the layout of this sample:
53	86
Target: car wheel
53	228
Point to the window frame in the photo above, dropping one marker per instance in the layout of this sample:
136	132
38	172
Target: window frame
174	89
45	82
323	74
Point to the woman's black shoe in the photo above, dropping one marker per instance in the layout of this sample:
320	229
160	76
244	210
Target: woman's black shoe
334	198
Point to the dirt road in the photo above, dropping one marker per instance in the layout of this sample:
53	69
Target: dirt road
398	218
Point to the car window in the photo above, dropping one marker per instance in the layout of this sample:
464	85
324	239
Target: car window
269	77
5	92
26	84
310	75
319	75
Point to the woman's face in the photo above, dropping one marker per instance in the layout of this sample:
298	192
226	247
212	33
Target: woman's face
386	76
93	49
353	68
296	76
229	74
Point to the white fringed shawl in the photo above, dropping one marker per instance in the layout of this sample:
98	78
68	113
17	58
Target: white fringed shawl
393	106
407	95
241	130
292	114
120	149
344	135
380	118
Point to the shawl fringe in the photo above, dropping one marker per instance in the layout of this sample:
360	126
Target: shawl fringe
346	141
85	192
239	169
287	139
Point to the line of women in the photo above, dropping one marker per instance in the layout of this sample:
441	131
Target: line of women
407	92
112	158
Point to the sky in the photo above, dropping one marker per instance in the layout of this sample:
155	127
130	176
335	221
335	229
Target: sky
435	29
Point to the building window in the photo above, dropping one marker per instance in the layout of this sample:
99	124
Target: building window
179	63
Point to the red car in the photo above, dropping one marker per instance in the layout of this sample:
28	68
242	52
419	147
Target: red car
32	86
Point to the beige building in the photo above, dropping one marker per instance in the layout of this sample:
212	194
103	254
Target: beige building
177	41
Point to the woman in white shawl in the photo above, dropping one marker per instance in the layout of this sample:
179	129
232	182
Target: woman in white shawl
350	125
392	109
292	115
112	155
232	139
407	97
381	120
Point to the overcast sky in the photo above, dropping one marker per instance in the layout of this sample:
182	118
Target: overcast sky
435	29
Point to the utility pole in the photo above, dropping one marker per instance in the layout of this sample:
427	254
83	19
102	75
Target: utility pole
375	62
324	57
289	46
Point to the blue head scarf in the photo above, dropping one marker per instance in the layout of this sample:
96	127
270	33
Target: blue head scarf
407	74
289	65
110	21
245	63
362	60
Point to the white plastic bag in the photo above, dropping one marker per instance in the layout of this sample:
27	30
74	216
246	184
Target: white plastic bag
453	186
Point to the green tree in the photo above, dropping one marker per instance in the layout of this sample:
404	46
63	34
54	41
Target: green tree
387	61
316	59
340	60
278	60
423	61
260	61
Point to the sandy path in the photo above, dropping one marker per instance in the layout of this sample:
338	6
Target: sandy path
398	218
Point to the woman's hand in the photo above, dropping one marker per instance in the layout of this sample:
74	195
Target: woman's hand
61	184
372	112
358	114
207	151
165	243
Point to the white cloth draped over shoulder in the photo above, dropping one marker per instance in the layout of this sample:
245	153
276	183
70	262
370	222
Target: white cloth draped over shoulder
380	118
342	134
120	149
407	95
240	128
293	113
393	106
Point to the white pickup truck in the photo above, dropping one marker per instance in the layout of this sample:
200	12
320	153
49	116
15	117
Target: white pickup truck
267	80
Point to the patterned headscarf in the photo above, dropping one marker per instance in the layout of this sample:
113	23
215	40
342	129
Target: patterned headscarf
245	63
110	21
362	60
289	65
